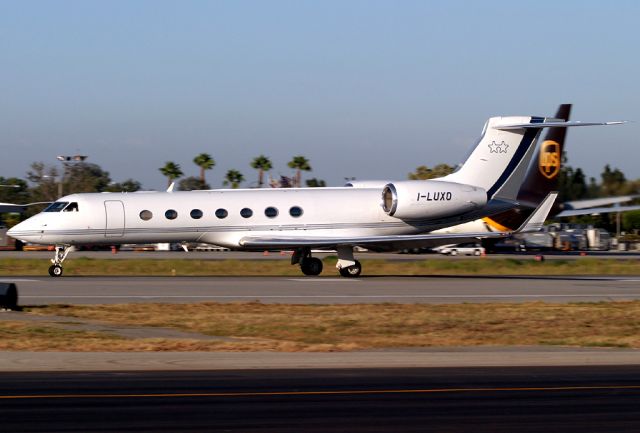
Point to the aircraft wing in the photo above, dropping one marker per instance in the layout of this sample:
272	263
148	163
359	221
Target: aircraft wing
597	202
12	207
595	210
532	224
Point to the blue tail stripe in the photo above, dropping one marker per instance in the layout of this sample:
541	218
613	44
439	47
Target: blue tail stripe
523	147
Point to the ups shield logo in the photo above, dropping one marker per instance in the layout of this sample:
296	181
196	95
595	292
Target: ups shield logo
549	160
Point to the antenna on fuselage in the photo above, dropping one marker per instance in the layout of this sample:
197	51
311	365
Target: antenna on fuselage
170	189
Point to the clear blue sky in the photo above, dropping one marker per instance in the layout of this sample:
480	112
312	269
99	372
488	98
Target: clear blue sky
369	89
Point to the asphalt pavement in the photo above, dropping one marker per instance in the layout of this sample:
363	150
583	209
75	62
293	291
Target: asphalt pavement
323	290
524	399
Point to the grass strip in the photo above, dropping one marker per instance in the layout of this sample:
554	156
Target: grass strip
291	328
83	266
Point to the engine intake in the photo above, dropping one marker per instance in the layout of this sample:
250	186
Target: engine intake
430	199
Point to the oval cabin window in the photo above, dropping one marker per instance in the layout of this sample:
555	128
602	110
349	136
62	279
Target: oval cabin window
171	214
295	211
271	212
146	215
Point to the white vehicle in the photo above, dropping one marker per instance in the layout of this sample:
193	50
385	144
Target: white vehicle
466	249
397	216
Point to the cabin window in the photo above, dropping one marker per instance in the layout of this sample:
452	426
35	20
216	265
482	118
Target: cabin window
246	213
295	211
222	213
171	214
196	214
56	207
73	207
271	212
146	215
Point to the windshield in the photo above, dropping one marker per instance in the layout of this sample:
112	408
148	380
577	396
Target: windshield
56	207
73	207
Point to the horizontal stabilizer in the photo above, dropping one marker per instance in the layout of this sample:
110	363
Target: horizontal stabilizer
556	124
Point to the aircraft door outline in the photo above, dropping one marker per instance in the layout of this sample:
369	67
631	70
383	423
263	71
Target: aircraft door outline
114	218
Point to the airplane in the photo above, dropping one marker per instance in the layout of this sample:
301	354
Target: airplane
400	215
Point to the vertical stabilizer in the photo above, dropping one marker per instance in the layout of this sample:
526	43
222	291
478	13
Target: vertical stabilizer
500	159
542	175
541	179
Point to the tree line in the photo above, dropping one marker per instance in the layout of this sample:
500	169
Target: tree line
46	183
234	178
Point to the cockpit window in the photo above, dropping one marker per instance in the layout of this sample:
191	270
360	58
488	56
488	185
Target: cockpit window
56	207
73	207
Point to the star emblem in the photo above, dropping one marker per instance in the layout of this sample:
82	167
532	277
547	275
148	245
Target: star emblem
498	147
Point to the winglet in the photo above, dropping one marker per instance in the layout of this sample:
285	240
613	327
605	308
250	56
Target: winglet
536	219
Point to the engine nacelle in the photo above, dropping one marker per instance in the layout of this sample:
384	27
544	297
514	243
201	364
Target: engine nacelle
430	199
367	183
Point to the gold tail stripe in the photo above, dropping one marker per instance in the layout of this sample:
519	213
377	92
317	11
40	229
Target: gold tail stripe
496	225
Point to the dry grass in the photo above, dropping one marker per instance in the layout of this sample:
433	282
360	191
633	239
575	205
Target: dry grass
372	326
195	267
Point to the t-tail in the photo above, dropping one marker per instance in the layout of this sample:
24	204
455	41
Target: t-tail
541	178
499	161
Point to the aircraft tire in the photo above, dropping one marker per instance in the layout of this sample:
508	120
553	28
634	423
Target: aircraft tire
351	271
55	270
311	266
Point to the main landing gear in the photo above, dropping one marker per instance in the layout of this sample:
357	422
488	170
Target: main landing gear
347	265
308	265
55	270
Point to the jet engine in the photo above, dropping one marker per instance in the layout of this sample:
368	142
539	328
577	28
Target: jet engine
430	199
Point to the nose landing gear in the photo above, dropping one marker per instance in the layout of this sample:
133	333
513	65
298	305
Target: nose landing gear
55	270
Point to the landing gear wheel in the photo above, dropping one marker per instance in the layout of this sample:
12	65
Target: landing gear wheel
311	266
351	271
55	270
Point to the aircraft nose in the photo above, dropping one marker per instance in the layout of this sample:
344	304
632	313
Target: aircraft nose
25	231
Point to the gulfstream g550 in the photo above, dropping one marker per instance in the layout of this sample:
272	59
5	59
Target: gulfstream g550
399	215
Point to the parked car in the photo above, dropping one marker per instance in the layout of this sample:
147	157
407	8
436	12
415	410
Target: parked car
468	249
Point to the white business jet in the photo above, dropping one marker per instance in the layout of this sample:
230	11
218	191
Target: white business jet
397	216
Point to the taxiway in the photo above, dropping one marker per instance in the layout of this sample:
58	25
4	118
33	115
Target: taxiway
575	399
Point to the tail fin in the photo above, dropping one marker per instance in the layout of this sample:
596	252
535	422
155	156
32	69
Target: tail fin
541	178
542	174
499	161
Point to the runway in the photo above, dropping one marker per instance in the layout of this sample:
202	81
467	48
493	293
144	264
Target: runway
524	399
306	290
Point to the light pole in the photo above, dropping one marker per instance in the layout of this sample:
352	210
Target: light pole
66	161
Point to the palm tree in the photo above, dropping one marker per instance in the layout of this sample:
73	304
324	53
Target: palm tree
233	178
299	163
172	171
262	164
205	162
